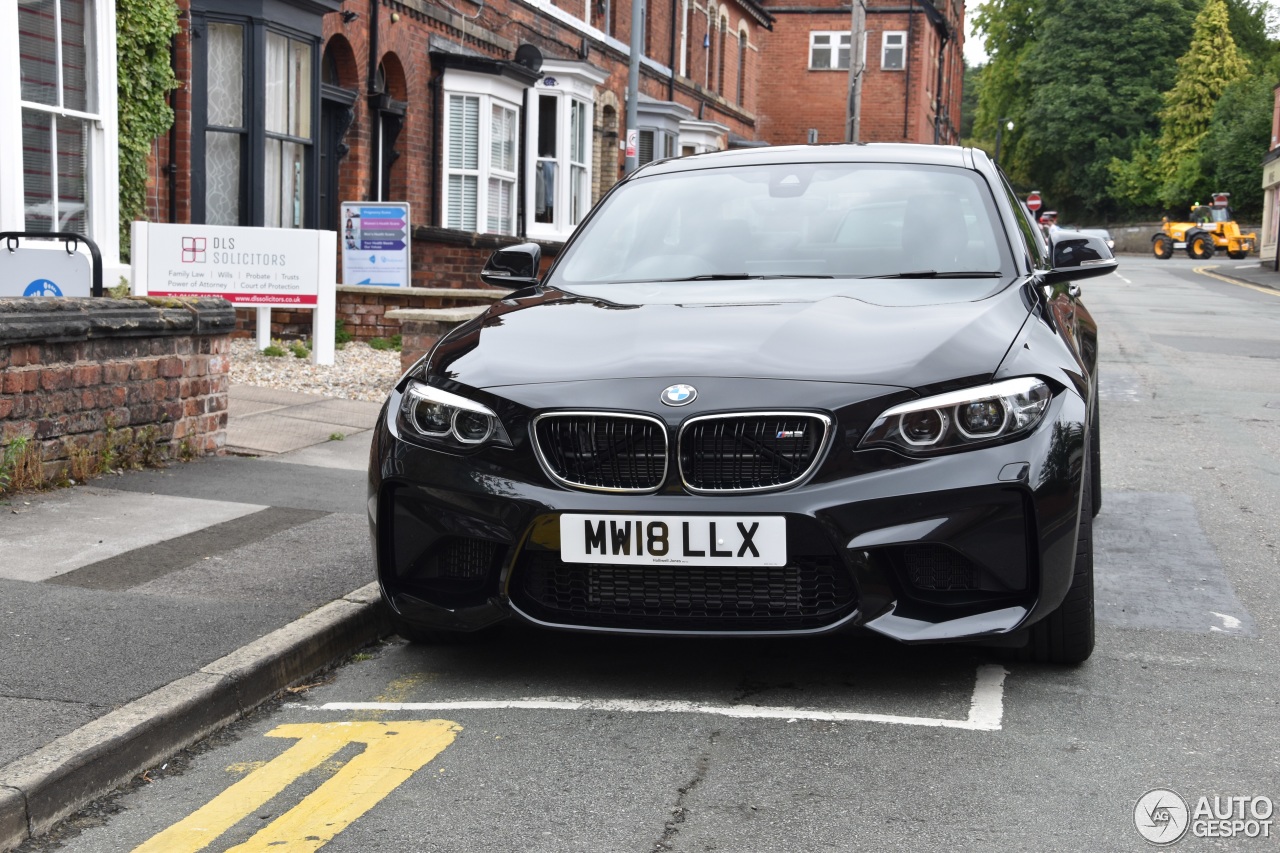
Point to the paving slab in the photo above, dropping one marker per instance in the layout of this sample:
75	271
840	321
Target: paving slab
353	413
277	432
46	535
350	454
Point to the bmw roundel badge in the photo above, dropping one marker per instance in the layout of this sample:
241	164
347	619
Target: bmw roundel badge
679	395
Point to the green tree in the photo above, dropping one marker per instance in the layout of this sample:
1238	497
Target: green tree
1248	22
969	99
1008	29
143	31
1239	137
1209	66
1097	68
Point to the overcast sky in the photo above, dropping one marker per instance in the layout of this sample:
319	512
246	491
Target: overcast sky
973	52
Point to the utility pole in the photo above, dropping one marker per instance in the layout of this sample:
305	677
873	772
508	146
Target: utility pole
633	86
857	65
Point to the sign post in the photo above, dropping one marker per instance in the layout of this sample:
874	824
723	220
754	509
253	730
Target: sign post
249	267
375	243
1033	201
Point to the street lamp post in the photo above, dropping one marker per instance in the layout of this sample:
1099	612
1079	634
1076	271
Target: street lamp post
1000	128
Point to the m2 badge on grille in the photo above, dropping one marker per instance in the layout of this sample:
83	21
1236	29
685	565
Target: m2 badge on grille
691	540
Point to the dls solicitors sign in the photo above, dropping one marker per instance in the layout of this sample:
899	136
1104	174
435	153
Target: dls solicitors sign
245	266
249	267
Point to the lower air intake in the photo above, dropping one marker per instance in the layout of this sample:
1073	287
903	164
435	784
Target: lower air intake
939	568
809	592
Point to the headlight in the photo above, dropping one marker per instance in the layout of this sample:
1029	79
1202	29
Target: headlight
962	419
449	419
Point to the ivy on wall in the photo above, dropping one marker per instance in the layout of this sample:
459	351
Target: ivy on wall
145	77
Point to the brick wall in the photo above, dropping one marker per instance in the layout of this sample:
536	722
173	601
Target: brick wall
897	106
81	376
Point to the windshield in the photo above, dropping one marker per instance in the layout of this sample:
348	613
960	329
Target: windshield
827	220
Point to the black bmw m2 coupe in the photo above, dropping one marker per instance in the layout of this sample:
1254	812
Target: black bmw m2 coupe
788	390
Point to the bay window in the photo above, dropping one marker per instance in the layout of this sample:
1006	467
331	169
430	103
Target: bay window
255	92
559	148
482	121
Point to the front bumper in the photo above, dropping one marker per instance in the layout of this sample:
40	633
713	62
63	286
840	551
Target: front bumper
968	545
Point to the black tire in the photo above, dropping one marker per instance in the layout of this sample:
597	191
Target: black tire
1162	245
1200	246
1066	635
1237	256
1095	459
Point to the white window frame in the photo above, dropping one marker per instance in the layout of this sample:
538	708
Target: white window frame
490	90
571	83
702	136
102	188
885	48
836	42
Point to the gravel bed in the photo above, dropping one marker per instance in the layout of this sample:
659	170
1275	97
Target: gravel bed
359	372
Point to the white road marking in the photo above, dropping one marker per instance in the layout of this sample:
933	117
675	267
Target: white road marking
986	709
1122	278
1229	623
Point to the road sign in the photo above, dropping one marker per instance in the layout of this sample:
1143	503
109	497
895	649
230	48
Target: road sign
1033	201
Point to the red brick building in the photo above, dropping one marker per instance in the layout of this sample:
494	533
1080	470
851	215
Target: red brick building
494	118
912	85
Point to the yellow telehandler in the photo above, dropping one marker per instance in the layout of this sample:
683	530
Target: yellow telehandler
1212	228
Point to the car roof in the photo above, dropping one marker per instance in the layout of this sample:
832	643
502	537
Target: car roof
863	152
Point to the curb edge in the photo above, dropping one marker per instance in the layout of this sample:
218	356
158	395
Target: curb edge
41	789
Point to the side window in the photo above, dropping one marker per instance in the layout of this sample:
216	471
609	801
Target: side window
893	51
1030	233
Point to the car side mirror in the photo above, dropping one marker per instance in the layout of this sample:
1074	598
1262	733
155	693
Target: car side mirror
1077	256
514	267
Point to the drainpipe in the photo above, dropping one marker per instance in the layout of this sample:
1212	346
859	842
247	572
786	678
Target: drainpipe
374	131
937	113
671	83
172	168
906	54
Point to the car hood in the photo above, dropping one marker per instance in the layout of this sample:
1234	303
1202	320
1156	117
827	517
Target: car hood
555	336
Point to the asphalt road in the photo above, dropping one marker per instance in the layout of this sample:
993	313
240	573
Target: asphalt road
553	743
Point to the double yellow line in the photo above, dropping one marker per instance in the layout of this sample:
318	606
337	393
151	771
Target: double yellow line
1206	271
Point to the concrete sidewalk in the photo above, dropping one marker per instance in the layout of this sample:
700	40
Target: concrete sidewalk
140	612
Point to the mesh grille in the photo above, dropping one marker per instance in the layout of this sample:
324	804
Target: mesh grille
461	559
938	567
809	592
604	451
746	452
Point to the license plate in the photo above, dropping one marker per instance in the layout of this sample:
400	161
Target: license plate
686	540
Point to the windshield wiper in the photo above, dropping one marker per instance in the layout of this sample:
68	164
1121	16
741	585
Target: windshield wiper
936	274
715	276
742	276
